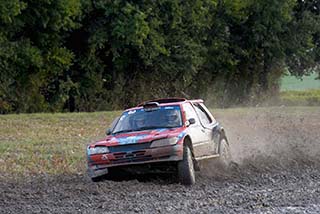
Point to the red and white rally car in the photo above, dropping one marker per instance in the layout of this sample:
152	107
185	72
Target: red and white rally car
166	134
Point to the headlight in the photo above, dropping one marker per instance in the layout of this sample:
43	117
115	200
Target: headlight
164	142
98	150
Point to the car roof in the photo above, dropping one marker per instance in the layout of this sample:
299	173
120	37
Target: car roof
166	102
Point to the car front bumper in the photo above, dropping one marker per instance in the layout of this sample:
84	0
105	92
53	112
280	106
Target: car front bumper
98	164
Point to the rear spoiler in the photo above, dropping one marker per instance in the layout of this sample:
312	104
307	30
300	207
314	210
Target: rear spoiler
168	100
164	100
196	101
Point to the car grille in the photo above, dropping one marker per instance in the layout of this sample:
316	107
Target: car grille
130	147
136	156
130	153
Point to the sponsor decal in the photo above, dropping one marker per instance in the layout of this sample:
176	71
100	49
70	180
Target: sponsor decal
122	117
130	140
161	130
181	135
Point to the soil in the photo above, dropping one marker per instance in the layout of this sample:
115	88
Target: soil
275	169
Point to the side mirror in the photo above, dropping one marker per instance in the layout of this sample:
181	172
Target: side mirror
113	124
108	132
190	121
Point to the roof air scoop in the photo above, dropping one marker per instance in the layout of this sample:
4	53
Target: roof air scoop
164	100
151	106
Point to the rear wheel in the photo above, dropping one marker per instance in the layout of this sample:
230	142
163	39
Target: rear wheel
224	152
186	172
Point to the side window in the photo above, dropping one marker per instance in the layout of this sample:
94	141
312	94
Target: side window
208	112
114	123
190	113
205	119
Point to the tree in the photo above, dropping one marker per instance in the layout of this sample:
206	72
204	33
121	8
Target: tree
34	60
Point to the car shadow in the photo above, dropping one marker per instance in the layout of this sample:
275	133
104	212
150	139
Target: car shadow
159	178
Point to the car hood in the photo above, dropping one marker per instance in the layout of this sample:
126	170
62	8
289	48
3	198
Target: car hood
141	136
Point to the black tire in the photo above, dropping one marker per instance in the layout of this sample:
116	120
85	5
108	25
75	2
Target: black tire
186	172
97	179
224	152
102	177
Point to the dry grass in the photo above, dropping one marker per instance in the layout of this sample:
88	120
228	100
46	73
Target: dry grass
49	143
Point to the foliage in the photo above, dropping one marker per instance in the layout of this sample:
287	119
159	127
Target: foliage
81	55
34	61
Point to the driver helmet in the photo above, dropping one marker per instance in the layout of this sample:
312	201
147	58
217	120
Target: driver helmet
172	117
139	121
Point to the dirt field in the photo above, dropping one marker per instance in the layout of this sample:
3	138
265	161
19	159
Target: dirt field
276	169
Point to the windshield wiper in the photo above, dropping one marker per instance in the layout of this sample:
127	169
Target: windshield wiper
153	127
145	128
123	131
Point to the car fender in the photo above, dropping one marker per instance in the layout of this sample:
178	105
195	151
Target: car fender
218	134
187	141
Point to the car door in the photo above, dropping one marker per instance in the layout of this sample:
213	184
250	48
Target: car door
209	125
196	131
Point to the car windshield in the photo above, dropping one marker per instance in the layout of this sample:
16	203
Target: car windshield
144	119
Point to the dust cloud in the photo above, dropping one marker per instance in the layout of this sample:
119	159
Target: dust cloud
273	138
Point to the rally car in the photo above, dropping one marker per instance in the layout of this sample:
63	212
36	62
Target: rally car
171	134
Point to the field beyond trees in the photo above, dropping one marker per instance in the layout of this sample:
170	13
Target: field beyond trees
82	55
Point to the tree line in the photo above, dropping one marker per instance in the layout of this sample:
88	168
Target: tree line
88	55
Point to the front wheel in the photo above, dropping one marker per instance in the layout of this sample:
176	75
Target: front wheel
97	179
186	172
105	174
